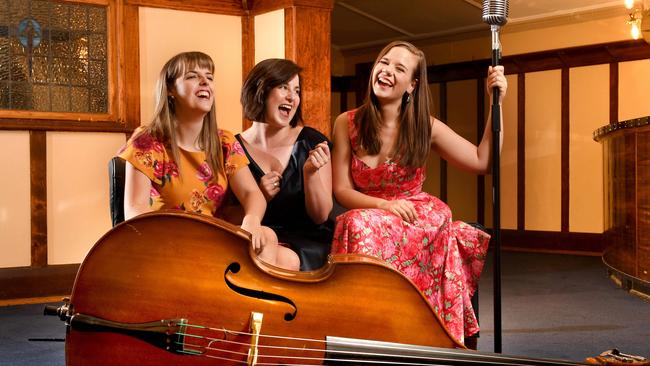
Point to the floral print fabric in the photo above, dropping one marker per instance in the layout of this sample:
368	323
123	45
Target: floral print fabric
443	258
201	190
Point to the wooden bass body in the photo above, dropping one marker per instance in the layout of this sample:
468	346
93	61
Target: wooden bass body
182	289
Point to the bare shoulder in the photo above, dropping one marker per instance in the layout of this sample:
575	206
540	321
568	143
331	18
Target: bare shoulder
341	125
435	127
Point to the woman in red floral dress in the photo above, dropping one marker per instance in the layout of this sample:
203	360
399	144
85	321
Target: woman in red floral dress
379	157
182	160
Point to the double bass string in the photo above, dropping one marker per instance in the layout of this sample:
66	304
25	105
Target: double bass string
383	351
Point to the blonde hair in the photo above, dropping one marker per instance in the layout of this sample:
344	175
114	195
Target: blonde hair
162	126
414	139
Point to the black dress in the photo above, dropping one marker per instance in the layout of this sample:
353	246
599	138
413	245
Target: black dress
286	213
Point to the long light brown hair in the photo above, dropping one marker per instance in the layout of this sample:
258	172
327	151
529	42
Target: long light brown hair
414	140
163	123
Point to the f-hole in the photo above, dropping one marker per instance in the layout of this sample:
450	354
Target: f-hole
235	268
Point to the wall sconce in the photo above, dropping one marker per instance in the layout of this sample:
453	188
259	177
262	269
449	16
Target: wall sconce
639	18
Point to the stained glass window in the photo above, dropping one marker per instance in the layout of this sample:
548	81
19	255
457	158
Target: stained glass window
53	56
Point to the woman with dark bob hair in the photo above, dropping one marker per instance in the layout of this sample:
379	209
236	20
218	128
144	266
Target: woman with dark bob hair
289	161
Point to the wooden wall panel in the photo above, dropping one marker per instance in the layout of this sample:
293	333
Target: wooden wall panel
38	169
129	78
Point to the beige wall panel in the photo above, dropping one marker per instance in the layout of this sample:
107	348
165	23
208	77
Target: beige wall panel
77	192
432	183
15	228
269	35
217	35
633	89
508	171
589	109
461	117
543	157
517	39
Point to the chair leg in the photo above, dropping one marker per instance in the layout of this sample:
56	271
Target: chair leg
471	342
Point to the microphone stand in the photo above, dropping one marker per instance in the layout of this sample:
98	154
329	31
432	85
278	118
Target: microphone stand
496	192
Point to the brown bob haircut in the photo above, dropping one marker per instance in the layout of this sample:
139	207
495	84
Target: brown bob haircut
265	76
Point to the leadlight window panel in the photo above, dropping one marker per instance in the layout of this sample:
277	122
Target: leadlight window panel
53	56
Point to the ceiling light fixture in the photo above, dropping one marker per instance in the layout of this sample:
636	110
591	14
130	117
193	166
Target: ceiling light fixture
639	10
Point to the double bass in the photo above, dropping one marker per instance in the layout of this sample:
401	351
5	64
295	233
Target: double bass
173	288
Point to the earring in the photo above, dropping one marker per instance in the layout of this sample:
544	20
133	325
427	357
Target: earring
408	98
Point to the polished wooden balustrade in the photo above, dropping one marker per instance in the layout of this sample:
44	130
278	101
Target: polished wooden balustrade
626	171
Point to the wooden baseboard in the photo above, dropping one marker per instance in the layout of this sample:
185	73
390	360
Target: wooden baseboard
36	282
553	242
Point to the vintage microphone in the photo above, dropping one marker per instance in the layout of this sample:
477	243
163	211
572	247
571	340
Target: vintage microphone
495	13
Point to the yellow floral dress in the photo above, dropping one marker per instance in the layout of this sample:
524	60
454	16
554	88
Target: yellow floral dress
200	190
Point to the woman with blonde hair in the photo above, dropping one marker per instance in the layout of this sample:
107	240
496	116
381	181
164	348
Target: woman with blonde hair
182	160
378	166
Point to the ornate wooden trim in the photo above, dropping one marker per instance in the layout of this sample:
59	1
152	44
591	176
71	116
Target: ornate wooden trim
38	201
26	282
602	132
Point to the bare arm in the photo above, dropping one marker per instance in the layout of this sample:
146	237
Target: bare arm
318	183
462	153
249	195
137	190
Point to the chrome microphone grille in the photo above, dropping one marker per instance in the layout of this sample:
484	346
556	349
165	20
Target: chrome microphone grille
495	12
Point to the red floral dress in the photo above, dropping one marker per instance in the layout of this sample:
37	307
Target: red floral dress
200	190
442	257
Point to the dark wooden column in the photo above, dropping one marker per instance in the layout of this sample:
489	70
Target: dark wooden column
38	168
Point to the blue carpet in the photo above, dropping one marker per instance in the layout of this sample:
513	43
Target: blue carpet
562	306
